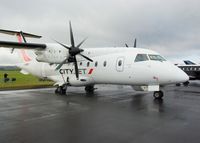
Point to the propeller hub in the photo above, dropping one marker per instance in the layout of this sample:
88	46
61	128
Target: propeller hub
74	51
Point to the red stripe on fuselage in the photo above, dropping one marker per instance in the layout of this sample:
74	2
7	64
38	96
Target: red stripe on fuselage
90	71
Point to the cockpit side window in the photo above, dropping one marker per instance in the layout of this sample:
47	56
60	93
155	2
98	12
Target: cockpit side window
156	58
141	57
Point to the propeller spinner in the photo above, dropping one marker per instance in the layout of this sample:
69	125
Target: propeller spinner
73	51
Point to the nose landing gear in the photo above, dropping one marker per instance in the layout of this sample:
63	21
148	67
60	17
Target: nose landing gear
158	94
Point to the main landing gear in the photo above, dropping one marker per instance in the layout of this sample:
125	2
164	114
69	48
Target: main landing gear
61	90
89	89
158	94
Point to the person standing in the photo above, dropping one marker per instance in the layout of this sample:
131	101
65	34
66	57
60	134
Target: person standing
5	77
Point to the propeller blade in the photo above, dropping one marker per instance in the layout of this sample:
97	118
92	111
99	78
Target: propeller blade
81	43
135	43
61	64
86	57
71	35
63	45
76	67
126	45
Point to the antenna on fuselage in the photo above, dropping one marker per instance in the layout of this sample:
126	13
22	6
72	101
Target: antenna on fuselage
135	44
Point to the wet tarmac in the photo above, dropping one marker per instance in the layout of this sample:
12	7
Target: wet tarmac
115	114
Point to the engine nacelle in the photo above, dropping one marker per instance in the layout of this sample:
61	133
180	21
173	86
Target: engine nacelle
53	54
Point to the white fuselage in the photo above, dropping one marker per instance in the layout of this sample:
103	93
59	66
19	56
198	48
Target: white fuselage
109	66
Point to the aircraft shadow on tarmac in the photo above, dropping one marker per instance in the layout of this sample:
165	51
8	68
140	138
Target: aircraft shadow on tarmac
139	102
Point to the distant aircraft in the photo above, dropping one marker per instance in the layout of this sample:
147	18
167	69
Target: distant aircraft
144	70
192	69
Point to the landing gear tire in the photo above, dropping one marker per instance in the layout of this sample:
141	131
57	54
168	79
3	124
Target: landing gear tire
186	83
61	90
89	89
56	91
158	94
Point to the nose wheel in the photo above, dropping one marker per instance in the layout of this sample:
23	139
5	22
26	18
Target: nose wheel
158	94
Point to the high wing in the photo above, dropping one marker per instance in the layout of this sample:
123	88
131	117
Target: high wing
12	32
8	44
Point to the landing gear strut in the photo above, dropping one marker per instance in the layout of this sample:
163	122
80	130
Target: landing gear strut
158	94
61	90
89	89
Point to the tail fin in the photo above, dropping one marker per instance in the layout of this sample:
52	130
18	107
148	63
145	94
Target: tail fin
187	62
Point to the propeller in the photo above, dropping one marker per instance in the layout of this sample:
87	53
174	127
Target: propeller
135	44
73	51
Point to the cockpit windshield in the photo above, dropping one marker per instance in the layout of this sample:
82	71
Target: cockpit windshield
156	58
141	57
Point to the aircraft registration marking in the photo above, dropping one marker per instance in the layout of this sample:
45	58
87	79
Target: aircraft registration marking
72	71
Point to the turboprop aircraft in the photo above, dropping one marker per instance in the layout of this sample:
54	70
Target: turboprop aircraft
143	69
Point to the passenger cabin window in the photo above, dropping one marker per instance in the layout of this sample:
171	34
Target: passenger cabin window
104	63
120	63
141	57
156	58
96	64
88	64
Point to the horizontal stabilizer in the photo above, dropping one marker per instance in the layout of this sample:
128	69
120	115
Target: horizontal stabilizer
11	32
8	44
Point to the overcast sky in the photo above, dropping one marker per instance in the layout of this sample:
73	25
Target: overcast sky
170	27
